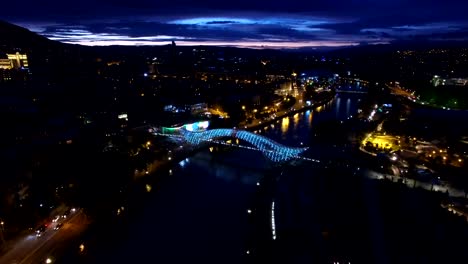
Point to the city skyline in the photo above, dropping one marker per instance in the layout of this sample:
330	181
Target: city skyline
259	24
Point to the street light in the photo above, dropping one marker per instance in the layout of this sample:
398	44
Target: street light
82	247
2	229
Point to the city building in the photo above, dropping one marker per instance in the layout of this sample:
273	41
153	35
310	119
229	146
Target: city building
191	108
437	81
275	77
18	60
6	64
457	81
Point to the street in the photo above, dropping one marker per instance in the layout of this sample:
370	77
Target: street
412	183
32	249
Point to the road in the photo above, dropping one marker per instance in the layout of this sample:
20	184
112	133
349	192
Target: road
31	249
412	183
397	90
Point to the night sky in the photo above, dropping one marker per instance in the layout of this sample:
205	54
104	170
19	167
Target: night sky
241	23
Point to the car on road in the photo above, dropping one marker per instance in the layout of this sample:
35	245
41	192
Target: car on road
58	226
40	231
65	215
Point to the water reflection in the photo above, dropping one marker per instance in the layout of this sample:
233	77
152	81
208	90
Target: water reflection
296	120
298	127
224	166
348	105
285	125
309	116
338	103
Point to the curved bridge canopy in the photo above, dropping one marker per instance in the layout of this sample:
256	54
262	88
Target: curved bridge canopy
271	149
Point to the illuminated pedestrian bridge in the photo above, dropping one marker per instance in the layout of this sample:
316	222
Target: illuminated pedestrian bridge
270	149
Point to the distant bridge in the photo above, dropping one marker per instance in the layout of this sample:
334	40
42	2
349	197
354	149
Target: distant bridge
270	149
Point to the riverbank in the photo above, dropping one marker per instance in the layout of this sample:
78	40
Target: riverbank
258	124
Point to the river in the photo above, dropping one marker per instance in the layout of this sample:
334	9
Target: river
199	215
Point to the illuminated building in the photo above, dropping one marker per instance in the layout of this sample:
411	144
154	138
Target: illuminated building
438	81
272	77
6	64
457	81
197	126
18	60
11	68
193	108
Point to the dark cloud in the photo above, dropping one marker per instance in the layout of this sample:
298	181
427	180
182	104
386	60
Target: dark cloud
459	35
287	32
320	22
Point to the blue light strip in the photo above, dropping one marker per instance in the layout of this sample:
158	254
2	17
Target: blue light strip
271	149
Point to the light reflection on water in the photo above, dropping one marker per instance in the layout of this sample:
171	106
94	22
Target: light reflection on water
297	128
296	121
338	104
285	125
348	106
309	116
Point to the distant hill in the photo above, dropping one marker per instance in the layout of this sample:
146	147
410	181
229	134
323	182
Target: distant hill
14	37
45	56
417	45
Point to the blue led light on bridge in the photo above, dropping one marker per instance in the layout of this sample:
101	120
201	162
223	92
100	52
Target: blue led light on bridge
271	149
